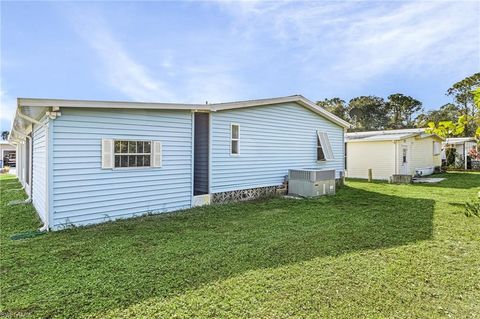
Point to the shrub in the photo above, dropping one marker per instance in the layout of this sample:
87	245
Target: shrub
473	208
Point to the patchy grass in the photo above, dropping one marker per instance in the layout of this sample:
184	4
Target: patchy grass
373	250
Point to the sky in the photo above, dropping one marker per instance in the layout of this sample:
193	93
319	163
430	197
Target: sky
218	51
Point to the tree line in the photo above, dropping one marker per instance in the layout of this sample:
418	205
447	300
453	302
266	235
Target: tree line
399	111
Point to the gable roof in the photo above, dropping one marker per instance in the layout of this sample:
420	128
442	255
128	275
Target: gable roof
36	108
388	135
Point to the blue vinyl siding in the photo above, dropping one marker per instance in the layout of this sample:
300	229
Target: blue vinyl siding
39	168
83	193
272	140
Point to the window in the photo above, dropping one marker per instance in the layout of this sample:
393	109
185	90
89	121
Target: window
234	139
324	148
436	148
132	153
124	153
404	156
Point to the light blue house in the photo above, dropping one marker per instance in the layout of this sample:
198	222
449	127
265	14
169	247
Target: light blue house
85	162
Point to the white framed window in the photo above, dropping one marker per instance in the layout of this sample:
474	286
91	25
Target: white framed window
234	139
324	148
131	153
436	148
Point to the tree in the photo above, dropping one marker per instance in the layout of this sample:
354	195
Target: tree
446	112
368	113
463	95
476	102
335	106
448	128
5	135
401	108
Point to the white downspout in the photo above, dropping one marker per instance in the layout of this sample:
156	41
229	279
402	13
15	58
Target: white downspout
46	225
30	164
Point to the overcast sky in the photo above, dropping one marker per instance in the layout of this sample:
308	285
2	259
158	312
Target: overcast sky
224	51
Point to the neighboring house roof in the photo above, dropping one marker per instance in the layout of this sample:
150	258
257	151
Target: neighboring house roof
387	135
35	108
459	140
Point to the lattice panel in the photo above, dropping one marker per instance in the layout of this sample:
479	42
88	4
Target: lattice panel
244	194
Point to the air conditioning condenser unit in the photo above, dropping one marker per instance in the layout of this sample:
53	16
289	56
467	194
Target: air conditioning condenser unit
311	182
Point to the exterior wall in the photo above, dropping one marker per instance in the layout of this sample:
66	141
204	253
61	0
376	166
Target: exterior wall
273	139
84	193
422	154
379	156
39	169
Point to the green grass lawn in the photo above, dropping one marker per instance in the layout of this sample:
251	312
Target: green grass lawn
374	250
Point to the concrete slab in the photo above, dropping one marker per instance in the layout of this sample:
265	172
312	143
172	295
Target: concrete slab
428	180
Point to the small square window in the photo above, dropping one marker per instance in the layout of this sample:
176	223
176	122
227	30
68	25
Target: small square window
146	160
132	161
117	160
139	147
123	147
146	147
117	147
123	160
234	147
235	131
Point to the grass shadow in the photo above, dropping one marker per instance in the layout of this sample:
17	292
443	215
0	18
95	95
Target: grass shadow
95	269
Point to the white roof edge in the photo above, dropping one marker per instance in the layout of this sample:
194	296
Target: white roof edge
286	99
367	138
395	131
453	140
34	102
37	102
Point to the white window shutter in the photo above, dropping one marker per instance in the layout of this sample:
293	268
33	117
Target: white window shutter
157	154
326	146
107	153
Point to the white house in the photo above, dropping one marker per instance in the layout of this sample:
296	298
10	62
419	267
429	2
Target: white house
85	162
8	153
392	152
461	146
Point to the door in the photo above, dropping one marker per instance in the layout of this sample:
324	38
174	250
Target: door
404	162
201	156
